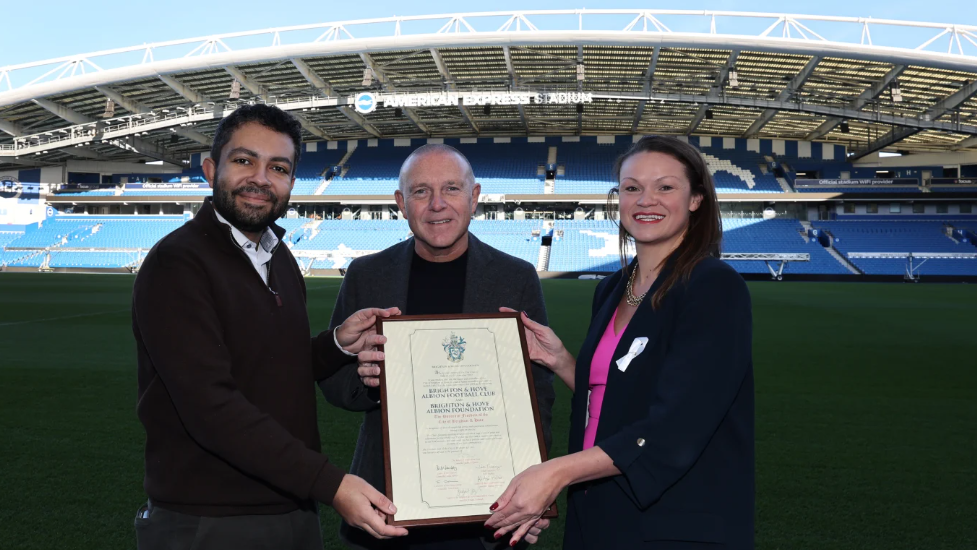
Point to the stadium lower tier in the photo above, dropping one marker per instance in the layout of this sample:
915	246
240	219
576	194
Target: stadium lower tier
92	242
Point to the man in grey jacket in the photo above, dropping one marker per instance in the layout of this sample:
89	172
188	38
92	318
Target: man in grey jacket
442	269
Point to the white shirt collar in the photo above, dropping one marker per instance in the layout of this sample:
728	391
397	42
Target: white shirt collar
269	241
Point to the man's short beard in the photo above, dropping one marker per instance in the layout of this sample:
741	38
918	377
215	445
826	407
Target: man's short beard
247	218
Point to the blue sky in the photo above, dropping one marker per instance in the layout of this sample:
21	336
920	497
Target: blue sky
33	31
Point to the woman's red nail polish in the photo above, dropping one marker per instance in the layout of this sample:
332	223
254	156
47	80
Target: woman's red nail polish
513	542
493	506
497	535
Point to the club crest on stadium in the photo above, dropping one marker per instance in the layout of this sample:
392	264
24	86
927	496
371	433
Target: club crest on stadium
366	103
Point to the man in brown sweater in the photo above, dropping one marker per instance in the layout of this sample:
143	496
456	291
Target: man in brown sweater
227	369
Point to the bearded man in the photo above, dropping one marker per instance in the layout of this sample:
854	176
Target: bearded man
226	368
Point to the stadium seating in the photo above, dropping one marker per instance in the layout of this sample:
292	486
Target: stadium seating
372	171
349	238
90	193
922	267
781	236
506	168
55	232
891	236
901	237
130	232
30	259
861	189
93	259
7	237
589	169
81	241
584	245
312	165
511	237
953	189
355	235
500	168
593	246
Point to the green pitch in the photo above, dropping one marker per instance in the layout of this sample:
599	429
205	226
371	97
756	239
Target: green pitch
866	412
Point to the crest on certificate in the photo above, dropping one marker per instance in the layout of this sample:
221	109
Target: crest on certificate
454	346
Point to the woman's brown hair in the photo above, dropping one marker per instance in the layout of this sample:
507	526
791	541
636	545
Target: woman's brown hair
705	232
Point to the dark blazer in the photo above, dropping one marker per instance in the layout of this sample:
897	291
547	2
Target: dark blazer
493	279
678	422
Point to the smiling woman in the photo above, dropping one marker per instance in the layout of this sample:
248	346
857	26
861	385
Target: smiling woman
668	207
661	434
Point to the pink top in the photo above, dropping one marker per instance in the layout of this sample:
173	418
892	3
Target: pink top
599	367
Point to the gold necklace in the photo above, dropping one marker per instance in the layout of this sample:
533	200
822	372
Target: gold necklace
634	301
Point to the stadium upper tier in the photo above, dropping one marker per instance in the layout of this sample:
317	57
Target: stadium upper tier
874	247
552	73
515	166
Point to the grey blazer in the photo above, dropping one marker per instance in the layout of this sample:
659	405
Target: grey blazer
493	279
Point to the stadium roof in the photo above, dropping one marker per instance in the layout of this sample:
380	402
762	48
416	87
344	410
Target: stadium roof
786	81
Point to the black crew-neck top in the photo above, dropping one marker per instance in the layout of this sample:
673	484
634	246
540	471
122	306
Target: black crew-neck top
436	288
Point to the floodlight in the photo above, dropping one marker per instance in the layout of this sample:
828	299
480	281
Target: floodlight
896	92
367	77
734	80
109	109
580	71
235	90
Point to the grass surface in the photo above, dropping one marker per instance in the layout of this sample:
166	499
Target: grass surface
866	412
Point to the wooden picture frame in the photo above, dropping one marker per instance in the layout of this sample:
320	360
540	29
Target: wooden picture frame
407	349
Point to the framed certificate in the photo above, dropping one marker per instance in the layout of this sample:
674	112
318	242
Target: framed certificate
460	417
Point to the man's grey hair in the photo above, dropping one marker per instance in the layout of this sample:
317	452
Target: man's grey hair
429	149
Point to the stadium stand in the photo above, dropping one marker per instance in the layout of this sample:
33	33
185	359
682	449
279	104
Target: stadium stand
503	168
953	189
81	241
373	170
776	236
925	266
861	189
312	166
901	237
593	246
512	237
584	245
891	236
72	259
500	168
510	166
7	237
124	232
91	192
589	167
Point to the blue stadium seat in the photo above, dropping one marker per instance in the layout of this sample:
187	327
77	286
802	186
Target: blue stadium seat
861	189
589	169
593	246
910	236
